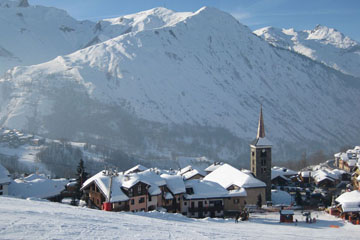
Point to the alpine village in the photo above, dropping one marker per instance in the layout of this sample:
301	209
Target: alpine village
218	191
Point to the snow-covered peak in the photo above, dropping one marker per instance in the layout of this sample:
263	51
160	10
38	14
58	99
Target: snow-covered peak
323	44
330	36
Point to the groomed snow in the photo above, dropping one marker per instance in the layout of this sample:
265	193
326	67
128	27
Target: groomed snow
25	219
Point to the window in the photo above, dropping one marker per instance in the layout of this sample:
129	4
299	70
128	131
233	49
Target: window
236	201
252	153
139	189
141	200
192	204
1	187
263	162
149	198
185	203
1	193
263	153
132	201
190	190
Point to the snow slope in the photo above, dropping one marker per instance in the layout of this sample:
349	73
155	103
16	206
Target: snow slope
192	85
26	219
323	44
43	33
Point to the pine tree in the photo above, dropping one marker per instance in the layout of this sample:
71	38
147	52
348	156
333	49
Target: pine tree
81	176
259	201
298	198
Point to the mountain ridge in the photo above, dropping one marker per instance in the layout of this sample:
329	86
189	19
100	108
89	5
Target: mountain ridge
190	88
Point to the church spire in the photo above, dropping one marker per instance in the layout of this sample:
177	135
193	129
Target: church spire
261	128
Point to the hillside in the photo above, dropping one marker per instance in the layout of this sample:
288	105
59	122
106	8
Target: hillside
192	87
26	219
323	44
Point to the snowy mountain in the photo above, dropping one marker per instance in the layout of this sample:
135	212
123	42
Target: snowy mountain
191	84
43	33
35	34
323	44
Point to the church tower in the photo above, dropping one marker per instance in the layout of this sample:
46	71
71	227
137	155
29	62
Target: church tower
260	157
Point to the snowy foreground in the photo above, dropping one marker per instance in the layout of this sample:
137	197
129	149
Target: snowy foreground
27	219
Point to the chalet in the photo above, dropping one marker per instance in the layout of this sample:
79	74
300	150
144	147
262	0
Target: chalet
141	191
174	192
103	187
203	199
349	206
347	160
305	177
231	179
190	173
4	180
282	176
325	179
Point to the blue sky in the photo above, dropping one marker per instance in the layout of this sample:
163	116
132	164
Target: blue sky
344	15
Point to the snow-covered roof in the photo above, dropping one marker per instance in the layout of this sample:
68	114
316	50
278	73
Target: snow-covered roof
168	196
185	169
102	180
350	207
323	174
337	155
213	166
240	192
193	173
353	196
305	173
137	168
175	183
281	171
205	189
281	198
37	186
4	175
287	212
148	177
227	175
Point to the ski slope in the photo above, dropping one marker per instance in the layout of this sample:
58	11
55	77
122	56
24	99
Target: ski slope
28	219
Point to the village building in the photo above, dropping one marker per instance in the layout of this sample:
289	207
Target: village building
175	194
286	216
190	173
38	186
246	185
103	187
260	157
5	180
349	206
203	199
347	160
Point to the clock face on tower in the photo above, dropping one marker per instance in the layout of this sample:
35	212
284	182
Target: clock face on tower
263	150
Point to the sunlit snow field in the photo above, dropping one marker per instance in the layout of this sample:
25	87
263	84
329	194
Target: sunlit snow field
27	219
